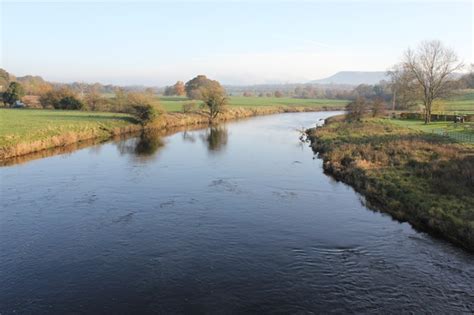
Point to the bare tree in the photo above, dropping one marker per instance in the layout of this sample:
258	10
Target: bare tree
431	65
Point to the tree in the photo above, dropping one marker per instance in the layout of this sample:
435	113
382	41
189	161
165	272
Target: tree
4	79
145	113
54	97
467	80
278	94
377	106
179	88
13	93
143	107
356	109
70	102
431	65
94	99
176	89
195	86
214	99
34	85
120	100
405	91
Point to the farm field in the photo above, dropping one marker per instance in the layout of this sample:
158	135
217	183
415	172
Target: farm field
462	102
174	104
461	132
26	125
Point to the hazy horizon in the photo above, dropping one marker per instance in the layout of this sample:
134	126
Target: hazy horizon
237	43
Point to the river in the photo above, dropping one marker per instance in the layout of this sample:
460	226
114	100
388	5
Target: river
238	218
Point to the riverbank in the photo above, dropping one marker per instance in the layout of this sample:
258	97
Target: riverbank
26	131
424	179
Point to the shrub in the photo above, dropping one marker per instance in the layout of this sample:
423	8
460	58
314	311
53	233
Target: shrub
378	107
69	102
144	113
53	98
189	107
356	109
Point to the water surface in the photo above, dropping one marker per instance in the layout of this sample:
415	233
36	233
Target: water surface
231	219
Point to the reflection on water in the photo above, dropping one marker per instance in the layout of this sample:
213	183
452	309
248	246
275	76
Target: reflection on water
144	147
54	151
154	223
215	138
94	144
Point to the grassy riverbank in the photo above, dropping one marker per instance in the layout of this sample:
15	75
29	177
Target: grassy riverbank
418	177
24	131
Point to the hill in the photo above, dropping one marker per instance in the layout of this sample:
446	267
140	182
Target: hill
354	78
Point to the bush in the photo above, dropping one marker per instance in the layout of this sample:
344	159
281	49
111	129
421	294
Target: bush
53	98
378	107
69	102
356	109
189	107
144	113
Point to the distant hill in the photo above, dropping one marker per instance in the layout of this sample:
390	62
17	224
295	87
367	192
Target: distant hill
354	78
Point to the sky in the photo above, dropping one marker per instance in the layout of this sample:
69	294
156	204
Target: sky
156	43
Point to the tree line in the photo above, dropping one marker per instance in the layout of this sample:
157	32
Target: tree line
143	105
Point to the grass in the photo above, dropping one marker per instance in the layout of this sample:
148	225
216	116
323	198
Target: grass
28	125
461	132
414	175
462	102
175	104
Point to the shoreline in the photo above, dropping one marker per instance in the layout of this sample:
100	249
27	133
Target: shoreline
163	122
388	171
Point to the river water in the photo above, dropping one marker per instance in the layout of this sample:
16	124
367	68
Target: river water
238	218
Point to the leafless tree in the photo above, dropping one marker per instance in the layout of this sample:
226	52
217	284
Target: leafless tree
432	65
405	88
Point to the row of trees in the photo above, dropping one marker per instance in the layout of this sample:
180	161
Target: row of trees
143	105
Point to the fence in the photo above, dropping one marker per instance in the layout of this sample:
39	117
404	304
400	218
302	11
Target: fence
459	135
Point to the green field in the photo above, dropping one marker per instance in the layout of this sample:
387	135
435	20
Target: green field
175	104
27	125
461	132
462	102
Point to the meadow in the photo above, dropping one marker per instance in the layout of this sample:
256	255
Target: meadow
29	125
459	132
175	103
462	102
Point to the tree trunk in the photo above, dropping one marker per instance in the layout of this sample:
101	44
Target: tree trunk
428	113
394	100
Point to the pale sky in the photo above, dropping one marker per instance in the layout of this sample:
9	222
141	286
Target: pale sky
236	42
